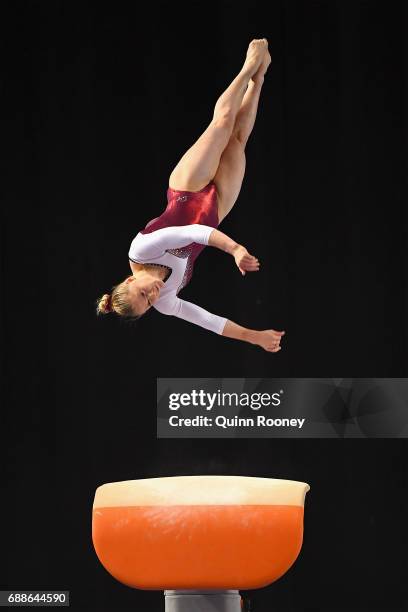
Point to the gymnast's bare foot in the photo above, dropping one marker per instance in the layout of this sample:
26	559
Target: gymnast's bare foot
259	75
255	55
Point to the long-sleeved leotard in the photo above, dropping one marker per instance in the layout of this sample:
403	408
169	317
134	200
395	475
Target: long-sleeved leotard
172	247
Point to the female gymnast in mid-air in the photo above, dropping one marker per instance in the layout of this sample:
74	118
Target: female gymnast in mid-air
203	188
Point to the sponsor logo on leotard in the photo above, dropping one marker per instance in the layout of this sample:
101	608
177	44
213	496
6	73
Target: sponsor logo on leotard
181	199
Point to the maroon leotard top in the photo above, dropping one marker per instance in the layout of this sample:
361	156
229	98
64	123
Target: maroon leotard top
187	208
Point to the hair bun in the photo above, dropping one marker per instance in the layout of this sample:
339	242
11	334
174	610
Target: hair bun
105	304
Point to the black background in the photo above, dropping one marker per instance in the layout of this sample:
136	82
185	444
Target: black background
100	101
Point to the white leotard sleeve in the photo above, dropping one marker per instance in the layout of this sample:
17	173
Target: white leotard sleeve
173	305
150	246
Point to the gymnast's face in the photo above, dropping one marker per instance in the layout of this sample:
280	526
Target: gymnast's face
144	290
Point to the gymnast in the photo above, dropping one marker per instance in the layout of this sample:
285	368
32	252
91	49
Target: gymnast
203	188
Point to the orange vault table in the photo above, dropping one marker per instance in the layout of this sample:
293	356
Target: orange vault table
189	533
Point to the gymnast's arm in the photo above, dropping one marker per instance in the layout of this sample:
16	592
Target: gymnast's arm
244	261
154	244
268	339
173	305
150	246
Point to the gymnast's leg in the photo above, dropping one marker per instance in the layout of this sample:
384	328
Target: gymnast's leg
199	164
229	176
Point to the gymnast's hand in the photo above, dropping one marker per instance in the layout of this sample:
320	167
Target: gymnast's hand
270	340
245	262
